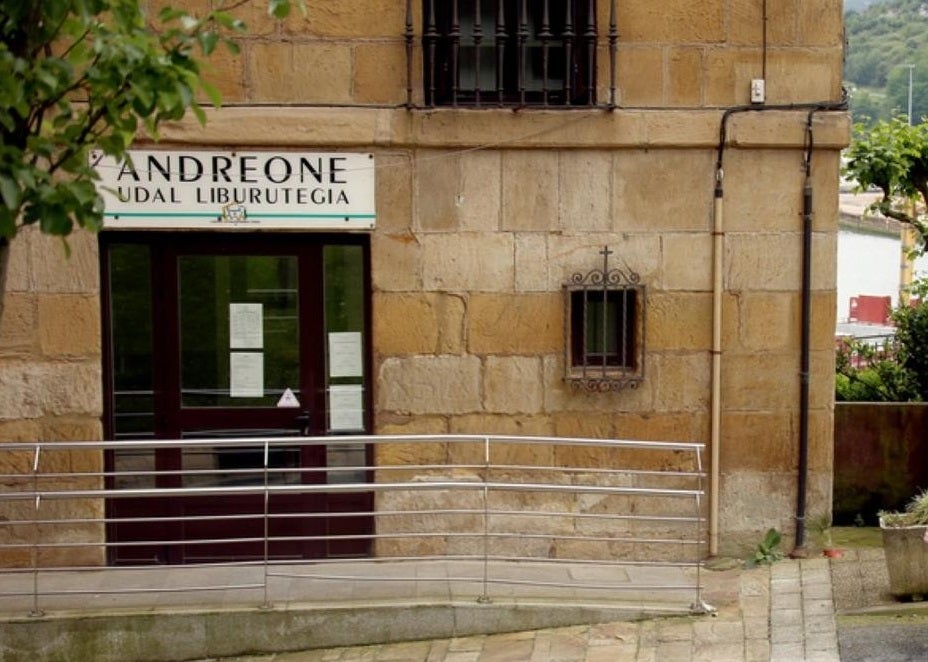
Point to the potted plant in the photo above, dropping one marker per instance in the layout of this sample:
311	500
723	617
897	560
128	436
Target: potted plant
905	542
821	526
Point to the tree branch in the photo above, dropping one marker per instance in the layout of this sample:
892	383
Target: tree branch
81	140
885	207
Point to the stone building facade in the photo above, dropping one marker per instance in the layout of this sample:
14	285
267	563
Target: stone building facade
484	213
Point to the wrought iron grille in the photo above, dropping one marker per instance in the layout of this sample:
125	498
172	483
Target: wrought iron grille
509	52
605	328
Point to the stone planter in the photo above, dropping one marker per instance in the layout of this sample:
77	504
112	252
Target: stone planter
906	560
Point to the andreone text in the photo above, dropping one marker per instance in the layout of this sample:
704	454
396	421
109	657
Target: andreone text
275	190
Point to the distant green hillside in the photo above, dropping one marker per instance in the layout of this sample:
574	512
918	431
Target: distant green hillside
857	5
882	39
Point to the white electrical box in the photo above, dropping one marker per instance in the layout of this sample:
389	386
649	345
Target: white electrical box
758	90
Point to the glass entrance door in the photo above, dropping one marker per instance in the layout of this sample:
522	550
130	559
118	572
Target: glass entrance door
219	337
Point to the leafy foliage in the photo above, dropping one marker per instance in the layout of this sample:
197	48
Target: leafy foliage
883	37
893	157
768	550
915	514
857	5
912	335
868	373
820	525
896	371
82	74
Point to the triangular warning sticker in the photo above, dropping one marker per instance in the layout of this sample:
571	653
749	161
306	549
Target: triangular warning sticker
288	400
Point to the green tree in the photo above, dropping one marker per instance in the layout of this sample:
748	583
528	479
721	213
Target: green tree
82	74
882	39
866	67
894	371
912	335
872	373
897	90
893	157
867	108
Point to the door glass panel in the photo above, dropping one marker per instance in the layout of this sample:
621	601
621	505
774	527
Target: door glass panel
343	463
218	466
344	288
130	315
344	327
133	401
239	330
135	469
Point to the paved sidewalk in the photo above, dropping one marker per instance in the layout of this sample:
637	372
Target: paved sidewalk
861	581
872	625
780	613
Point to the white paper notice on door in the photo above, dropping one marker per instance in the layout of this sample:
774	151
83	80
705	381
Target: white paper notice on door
346	408
246	374
246	326
345	354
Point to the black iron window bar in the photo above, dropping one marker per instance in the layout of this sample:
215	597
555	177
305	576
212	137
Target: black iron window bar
605	328
513	53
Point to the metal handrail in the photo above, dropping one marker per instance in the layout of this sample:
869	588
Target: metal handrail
346	440
680	528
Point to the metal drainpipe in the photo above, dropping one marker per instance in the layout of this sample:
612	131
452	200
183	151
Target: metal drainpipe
717	291
805	342
718	246
718	288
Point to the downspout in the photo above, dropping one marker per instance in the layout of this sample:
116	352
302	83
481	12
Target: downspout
805	342
718	233
718	287
718	246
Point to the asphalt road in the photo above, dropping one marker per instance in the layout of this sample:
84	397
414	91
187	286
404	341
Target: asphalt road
899	637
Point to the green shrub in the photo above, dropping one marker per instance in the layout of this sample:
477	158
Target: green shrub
876	374
912	336
915	514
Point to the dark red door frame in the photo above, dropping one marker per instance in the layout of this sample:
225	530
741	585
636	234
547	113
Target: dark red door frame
172	420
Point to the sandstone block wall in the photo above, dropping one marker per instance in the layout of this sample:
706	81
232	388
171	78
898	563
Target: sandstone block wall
482	215
567	513
469	328
670	54
50	388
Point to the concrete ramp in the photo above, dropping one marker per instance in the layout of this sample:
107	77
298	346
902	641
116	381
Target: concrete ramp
184	612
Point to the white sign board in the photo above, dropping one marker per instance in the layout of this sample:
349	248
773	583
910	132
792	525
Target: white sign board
345	354
346	408
237	190
246	326
246	375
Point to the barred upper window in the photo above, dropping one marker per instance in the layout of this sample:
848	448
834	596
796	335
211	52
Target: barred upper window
509	52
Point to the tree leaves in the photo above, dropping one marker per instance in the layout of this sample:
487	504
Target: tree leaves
82	74
279	9
11	193
893	157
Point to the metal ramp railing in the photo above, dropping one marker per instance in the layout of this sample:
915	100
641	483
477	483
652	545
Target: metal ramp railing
488	518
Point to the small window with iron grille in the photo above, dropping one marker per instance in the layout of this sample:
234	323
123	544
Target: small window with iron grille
509	52
605	328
